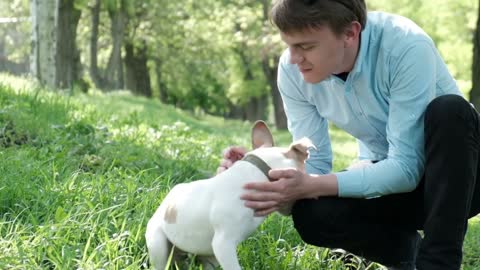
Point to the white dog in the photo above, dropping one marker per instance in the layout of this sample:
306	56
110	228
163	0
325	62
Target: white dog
207	217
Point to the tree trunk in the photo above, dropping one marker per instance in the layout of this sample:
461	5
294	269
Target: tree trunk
44	40
94	72
130	80
475	91
255	109
235	111
270	66
68	56
161	85
137	74
142	73
270	72
114	72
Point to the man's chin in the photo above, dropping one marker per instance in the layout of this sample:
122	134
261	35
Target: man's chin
313	79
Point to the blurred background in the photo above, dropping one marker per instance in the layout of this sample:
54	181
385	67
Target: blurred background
215	57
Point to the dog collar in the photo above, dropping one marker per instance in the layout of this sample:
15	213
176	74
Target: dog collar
259	163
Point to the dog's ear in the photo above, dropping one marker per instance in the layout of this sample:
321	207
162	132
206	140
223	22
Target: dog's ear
261	135
299	149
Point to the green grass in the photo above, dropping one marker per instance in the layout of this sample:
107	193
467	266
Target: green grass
81	175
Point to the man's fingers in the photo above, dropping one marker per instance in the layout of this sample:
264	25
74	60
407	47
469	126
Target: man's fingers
265	212
226	152
238	156
260	196
226	163
281	173
260	205
261	186
234	152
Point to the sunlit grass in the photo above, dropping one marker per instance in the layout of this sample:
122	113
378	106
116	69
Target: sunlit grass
471	247
81	175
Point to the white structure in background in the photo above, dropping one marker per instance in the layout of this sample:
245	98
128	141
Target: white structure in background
13	38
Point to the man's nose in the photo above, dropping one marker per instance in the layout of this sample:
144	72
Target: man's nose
295	56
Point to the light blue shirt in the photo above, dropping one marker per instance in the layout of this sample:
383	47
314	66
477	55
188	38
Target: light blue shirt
397	73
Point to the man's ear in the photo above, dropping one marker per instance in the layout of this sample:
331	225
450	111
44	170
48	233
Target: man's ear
352	33
261	135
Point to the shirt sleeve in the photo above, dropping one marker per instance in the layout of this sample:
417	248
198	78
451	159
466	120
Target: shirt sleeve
412	87
304	120
363	152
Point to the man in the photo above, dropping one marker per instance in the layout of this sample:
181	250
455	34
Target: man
380	78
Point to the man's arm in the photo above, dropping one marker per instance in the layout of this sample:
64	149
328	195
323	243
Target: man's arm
412	87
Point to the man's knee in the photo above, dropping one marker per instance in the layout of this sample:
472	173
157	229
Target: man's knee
313	222
447	109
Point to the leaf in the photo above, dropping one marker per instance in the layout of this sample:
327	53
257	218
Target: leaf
60	214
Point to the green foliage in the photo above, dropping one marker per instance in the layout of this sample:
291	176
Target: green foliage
450	26
471	260
209	53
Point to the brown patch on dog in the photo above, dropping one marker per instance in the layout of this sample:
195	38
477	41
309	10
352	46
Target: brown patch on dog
292	155
170	214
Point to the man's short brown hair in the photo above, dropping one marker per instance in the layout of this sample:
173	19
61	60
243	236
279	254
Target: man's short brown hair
299	15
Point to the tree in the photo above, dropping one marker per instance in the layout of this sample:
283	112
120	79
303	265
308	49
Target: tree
188	53
55	59
136	46
475	92
214	56
118	13
112	76
137	73
68	55
95	75
44	42
247	89
270	56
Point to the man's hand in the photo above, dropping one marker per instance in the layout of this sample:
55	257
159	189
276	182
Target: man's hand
231	155
267	197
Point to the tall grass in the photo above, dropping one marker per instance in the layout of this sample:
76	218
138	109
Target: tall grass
81	175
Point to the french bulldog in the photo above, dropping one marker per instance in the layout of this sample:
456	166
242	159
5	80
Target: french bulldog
207	217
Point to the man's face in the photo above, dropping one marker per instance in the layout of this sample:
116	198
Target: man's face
318	53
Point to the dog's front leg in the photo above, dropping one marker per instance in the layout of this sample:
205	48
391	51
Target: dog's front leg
225	249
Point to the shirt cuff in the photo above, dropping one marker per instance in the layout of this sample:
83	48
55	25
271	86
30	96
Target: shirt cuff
350	184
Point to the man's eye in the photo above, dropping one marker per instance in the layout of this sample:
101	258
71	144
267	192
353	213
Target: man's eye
306	47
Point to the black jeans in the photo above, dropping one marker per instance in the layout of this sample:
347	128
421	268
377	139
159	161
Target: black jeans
384	229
